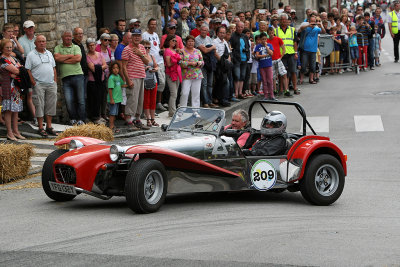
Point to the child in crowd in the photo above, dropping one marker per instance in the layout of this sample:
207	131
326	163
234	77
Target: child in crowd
335	55
378	46
264	52
318	66
353	45
114	97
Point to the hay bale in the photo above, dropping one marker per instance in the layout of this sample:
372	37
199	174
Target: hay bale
98	131
15	161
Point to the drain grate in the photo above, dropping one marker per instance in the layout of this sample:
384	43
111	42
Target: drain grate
388	93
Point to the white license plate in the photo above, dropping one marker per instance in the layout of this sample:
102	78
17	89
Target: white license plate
62	188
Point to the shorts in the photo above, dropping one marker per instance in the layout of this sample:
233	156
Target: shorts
290	63
377	53
354	52
113	109
239	71
335	57
278	68
253	78
308	59
44	99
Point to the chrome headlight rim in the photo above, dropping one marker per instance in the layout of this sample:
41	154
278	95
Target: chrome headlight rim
75	144
116	152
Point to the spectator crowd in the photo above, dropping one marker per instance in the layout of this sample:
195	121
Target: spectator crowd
206	56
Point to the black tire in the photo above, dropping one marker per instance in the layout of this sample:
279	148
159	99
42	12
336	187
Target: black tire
48	175
140	173
323	180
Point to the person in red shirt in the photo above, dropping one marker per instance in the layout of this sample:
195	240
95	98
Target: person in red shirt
196	32
278	67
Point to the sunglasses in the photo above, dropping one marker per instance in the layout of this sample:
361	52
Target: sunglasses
219	13
147	47
173	40
107	40
318	21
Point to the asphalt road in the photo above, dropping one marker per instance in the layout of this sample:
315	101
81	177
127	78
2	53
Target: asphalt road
245	228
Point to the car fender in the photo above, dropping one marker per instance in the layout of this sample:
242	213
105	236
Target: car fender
86	141
178	161
308	146
86	162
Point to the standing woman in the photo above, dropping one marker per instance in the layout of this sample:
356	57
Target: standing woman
191	63
150	86
105	51
95	86
113	45
10	97
206	14
193	12
172	71
184	24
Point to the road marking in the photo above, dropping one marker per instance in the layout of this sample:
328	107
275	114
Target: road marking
368	123
38	142
36	166
320	124
43	151
39	159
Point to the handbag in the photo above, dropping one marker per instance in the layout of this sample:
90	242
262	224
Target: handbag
150	80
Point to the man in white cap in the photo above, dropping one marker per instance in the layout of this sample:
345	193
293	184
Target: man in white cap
134	24
28	39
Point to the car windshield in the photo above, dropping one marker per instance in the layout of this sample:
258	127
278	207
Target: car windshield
198	120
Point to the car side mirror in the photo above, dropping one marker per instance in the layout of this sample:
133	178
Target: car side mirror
164	127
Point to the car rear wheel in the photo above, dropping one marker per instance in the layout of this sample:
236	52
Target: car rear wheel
48	176
146	186
323	180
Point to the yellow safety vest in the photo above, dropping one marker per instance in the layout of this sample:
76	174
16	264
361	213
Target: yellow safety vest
395	28
287	38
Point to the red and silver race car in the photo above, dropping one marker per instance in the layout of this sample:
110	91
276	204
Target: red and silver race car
194	154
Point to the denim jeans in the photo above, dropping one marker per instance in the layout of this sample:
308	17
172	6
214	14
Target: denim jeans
74	93
207	86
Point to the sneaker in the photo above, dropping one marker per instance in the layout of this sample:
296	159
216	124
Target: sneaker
212	105
272	99
341	71
165	105
234	99
396	60
371	68
72	122
287	93
225	104
140	125
260	92
160	107
196	114
132	126
206	106
80	123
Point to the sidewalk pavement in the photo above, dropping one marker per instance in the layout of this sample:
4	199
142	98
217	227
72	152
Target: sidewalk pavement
45	145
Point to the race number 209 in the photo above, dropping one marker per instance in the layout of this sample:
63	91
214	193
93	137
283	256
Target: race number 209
263	175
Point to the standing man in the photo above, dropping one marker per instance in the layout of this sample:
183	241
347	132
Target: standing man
240	55
134	24
394	26
42	73
27	42
78	37
205	44
69	57
222	53
133	62
289	59
119	30
151	36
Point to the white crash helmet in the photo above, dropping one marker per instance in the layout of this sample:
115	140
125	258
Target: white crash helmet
274	123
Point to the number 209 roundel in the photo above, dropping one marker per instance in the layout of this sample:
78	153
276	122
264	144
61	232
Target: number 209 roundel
263	175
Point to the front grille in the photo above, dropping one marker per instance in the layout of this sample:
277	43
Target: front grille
65	174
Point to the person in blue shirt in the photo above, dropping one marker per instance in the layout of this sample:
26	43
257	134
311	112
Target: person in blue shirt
310	47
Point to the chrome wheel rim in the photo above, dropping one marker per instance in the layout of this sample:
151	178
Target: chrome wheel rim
153	187
326	180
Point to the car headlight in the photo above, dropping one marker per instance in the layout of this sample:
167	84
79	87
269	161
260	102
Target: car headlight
75	144
115	152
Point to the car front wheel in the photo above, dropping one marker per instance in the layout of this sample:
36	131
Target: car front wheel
48	176
323	180
146	186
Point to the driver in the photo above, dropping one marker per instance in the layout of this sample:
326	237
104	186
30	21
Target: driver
273	136
240	121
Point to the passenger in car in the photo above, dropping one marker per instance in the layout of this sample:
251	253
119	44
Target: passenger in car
273	136
240	121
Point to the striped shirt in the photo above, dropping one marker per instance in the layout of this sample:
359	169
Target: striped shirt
135	66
